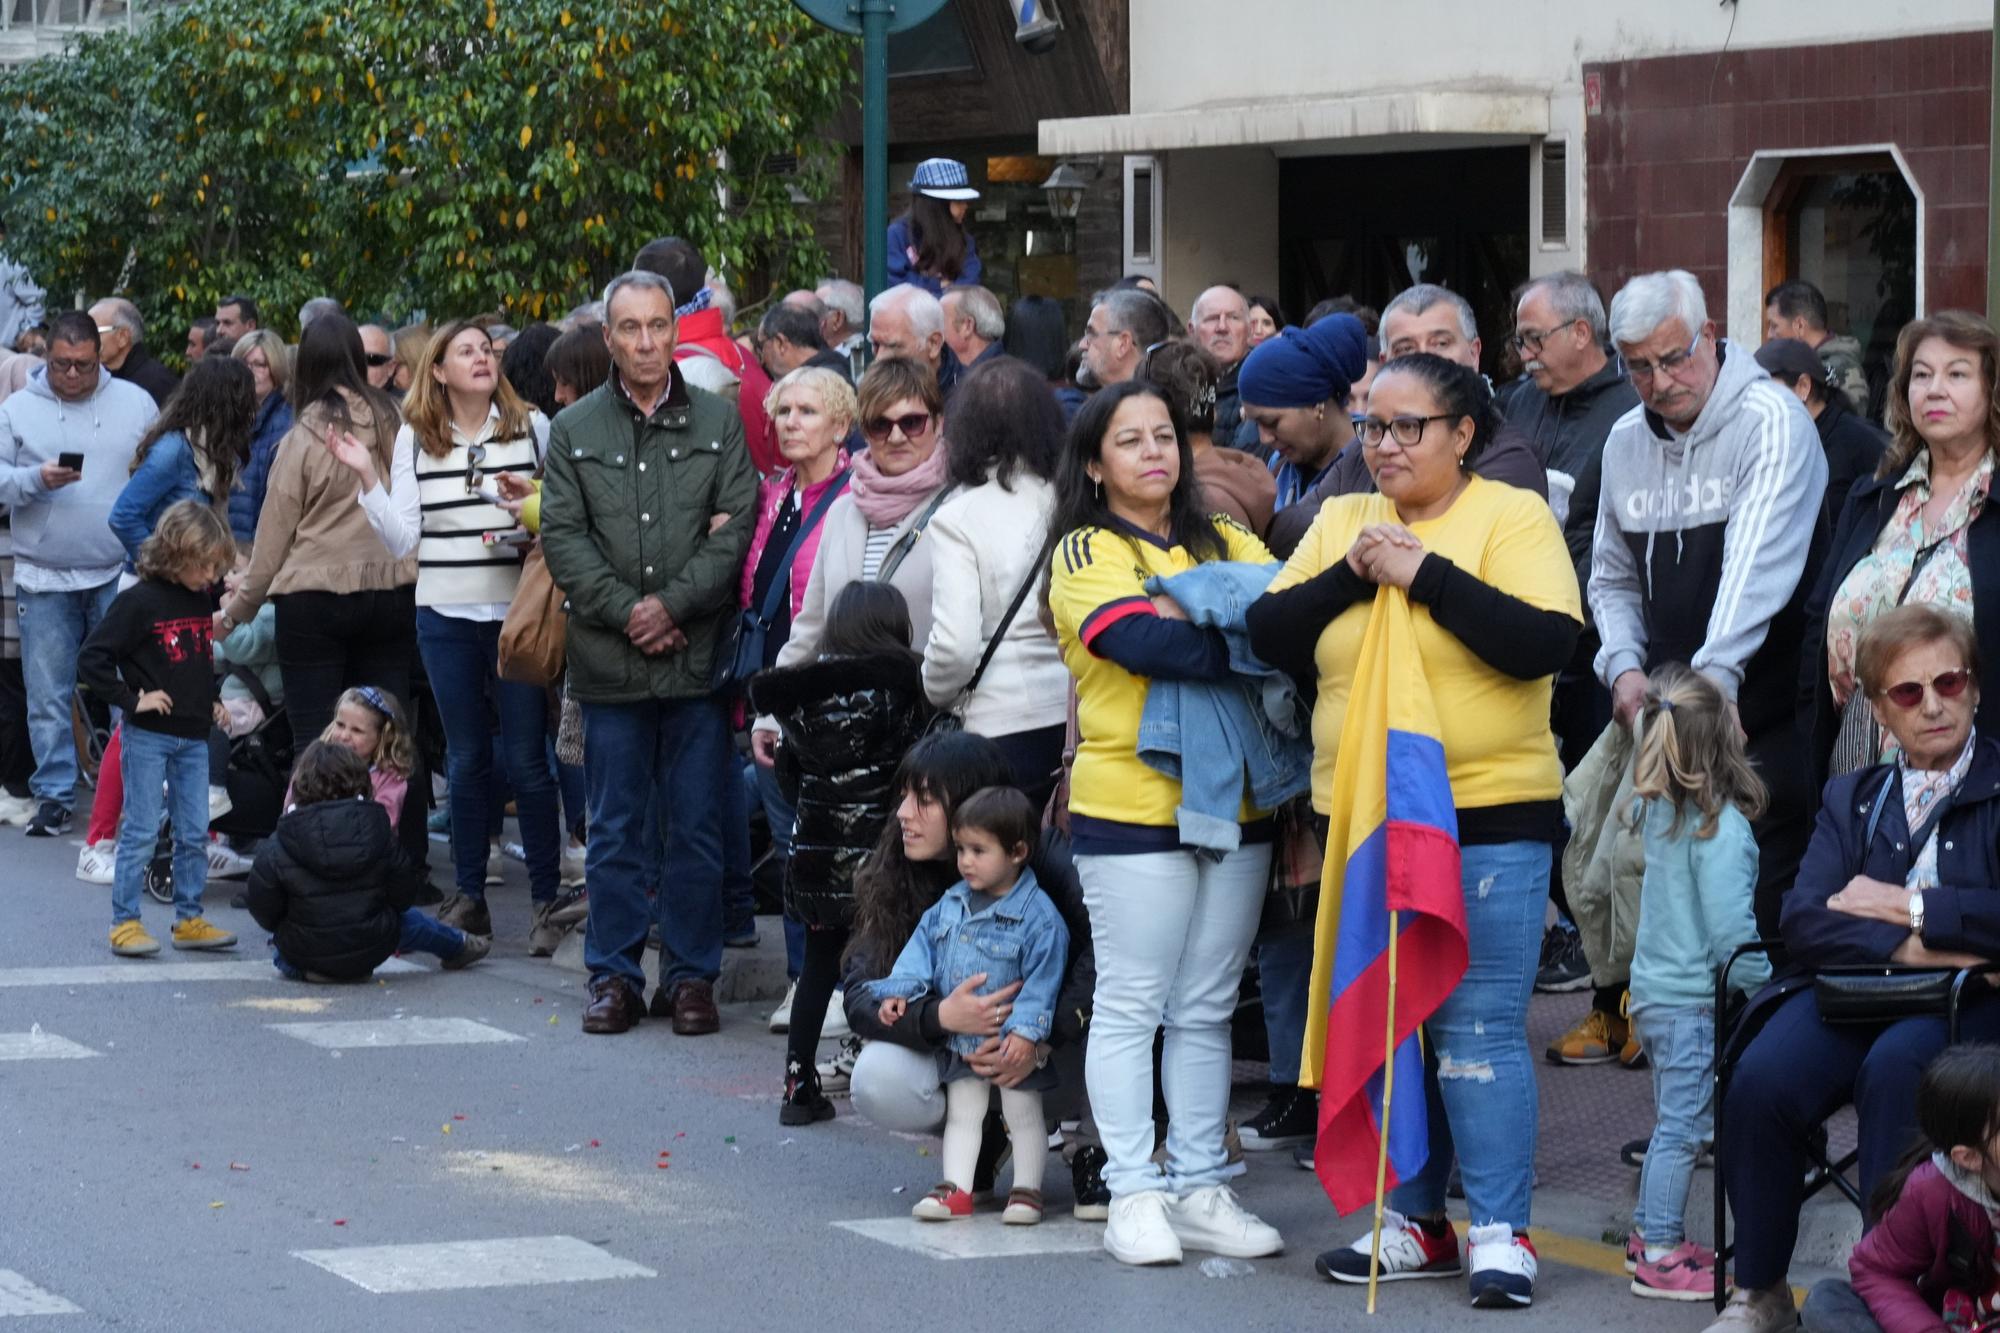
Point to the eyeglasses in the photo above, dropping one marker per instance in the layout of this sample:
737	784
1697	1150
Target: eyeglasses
475	454
1407	430
377	360
62	367
1531	340
106	330
1642	372
1910	693
913	426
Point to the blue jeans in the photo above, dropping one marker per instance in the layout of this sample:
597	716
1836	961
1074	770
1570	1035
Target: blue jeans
1679	1041
422	933
149	759
462	657
678	751
780	816
53	626
1479	1082
739	897
1284	975
1171	931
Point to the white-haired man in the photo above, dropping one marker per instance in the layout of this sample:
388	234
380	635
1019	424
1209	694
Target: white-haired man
844	325
974	324
1219	323
1706	531
908	321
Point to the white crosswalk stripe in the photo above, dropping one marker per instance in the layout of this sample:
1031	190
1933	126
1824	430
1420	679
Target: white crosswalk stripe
980	1237
40	1045
516	1261
135	971
18	1296
394	1032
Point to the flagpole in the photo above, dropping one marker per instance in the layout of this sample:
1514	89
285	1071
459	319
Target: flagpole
1388	1091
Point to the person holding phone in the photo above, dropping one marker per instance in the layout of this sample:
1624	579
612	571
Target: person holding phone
66	446
464	428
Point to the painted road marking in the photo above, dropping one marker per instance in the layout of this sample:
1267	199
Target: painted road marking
394	1032
518	1261
18	1296
40	1045
983	1237
139	969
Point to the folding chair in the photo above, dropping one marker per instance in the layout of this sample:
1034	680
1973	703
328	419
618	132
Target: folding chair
1824	1171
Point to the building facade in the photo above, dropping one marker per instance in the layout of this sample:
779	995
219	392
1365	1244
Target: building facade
1316	149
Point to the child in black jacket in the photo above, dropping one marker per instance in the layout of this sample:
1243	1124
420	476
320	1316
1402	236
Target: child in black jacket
150	657
332	886
847	720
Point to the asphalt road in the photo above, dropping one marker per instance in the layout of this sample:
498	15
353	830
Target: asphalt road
189	1146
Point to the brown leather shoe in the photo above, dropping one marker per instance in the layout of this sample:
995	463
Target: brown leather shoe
694	1009
613	1007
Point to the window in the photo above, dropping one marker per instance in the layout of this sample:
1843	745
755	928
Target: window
938	45
1555	194
1142	215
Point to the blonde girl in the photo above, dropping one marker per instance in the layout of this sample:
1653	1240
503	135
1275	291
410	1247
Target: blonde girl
370	722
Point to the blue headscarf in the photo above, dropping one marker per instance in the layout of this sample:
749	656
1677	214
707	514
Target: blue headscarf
1306	367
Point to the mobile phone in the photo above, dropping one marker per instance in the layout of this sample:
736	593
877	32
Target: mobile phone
518	538
487	493
71	460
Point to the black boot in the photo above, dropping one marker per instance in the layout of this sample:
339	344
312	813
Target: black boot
804	1103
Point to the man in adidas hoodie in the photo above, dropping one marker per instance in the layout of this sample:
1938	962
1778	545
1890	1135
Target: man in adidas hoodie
1706	526
66	558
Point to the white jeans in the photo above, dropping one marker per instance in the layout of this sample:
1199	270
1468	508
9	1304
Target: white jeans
1171	933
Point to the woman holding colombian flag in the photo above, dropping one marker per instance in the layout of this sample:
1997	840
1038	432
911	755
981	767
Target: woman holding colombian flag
1435	615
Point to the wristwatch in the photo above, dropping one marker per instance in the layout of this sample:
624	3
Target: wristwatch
1917	913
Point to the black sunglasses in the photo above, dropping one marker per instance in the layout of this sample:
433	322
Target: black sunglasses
475	454
377	360
913	425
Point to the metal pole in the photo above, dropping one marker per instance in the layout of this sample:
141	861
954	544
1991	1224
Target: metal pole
1993	175
875	15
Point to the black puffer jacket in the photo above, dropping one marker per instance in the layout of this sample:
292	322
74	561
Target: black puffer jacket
847	722
332	887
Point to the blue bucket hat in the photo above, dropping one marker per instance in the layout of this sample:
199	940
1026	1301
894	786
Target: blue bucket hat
943	178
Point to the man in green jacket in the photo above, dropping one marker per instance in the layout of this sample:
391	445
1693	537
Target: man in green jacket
647	508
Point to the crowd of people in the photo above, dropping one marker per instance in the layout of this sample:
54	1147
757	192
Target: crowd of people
1032	658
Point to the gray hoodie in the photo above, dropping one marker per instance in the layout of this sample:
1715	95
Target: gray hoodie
66	532
1702	541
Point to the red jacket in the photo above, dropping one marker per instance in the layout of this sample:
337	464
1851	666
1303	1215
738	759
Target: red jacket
704	334
1902	1268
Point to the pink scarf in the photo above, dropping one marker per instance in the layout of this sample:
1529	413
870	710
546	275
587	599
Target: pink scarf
887	501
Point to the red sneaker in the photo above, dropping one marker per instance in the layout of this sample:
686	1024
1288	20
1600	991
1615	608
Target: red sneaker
945	1203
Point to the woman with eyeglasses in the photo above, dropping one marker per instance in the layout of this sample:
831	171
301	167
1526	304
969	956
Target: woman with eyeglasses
1497	612
270	363
1903	868
464	426
1918	532
346	608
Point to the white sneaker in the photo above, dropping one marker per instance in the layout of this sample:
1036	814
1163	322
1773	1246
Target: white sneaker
16	810
835	1028
781	1017
572	873
1211	1219
225	862
836	1076
1137	1232
219	803
494	873
1503	1267
97	863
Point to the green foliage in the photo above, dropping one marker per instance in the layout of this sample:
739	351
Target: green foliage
402	156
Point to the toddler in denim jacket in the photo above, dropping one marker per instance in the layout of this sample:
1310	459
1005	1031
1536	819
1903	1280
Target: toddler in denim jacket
995	921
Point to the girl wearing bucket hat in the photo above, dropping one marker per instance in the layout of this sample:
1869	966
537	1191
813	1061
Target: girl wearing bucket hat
929	246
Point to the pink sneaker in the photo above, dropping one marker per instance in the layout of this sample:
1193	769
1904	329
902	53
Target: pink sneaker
1635	1250
1685	1274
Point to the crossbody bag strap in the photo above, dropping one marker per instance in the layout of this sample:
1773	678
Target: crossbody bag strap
238	671
781	582
1918	836
893	559
1006	622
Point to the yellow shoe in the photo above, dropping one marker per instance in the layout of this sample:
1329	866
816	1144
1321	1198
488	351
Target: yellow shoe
129	939
1595	1041
195	933
1631	1054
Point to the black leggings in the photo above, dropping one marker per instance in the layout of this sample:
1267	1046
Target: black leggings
819	977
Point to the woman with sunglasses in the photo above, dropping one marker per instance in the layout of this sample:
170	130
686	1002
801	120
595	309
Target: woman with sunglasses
463	427
1496	613
270	363
1903	868
1918	532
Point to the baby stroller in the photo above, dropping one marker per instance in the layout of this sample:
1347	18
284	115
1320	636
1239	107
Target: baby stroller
260	768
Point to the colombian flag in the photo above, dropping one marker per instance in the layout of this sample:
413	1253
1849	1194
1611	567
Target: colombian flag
1392	847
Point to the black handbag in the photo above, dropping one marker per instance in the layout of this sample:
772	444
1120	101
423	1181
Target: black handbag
1886	992
740	653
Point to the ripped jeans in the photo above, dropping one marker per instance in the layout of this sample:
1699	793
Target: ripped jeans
1479	1080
